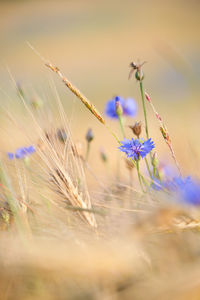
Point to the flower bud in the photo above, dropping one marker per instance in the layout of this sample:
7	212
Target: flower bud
61	134
118	107
89	136
137	129
139	75
103	155
155	160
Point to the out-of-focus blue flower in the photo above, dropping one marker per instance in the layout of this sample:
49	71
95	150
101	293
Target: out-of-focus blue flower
129	107
11	155
21	152
187	189
167	171
157	184
135	148
30	149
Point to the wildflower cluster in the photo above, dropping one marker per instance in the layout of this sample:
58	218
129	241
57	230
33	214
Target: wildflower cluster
22	152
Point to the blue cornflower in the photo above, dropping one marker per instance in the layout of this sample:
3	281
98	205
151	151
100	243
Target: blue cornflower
157	184
129	107
135	148
187	189
164	180
21	152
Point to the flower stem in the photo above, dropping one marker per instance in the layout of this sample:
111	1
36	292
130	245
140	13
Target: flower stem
146	123
139	175
87	151
144	109
148	168
121	126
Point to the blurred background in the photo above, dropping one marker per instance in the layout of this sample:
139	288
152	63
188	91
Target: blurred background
93	43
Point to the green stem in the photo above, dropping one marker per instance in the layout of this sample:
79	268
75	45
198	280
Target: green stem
87	151
145	118
147	165
154	172
144	109
139	176
113	134
121	126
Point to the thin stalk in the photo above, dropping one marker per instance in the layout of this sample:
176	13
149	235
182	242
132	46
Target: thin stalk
121	126
154	172
113	134
139	175
146	124
144	110
165	134
147	165
87	151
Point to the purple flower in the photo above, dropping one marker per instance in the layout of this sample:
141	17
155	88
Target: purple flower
30	149
21	152
129	107
11	155
157	184
188	190
135	148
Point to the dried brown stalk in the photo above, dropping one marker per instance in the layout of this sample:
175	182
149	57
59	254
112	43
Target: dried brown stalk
164	132
74	90
64	175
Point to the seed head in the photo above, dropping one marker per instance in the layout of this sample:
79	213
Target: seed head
137	129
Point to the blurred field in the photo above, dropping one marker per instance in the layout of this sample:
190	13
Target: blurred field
79	230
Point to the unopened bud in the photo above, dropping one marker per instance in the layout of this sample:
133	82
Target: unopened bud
103	155
118	107
139	75
89	136
61	134
155	160
137	129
